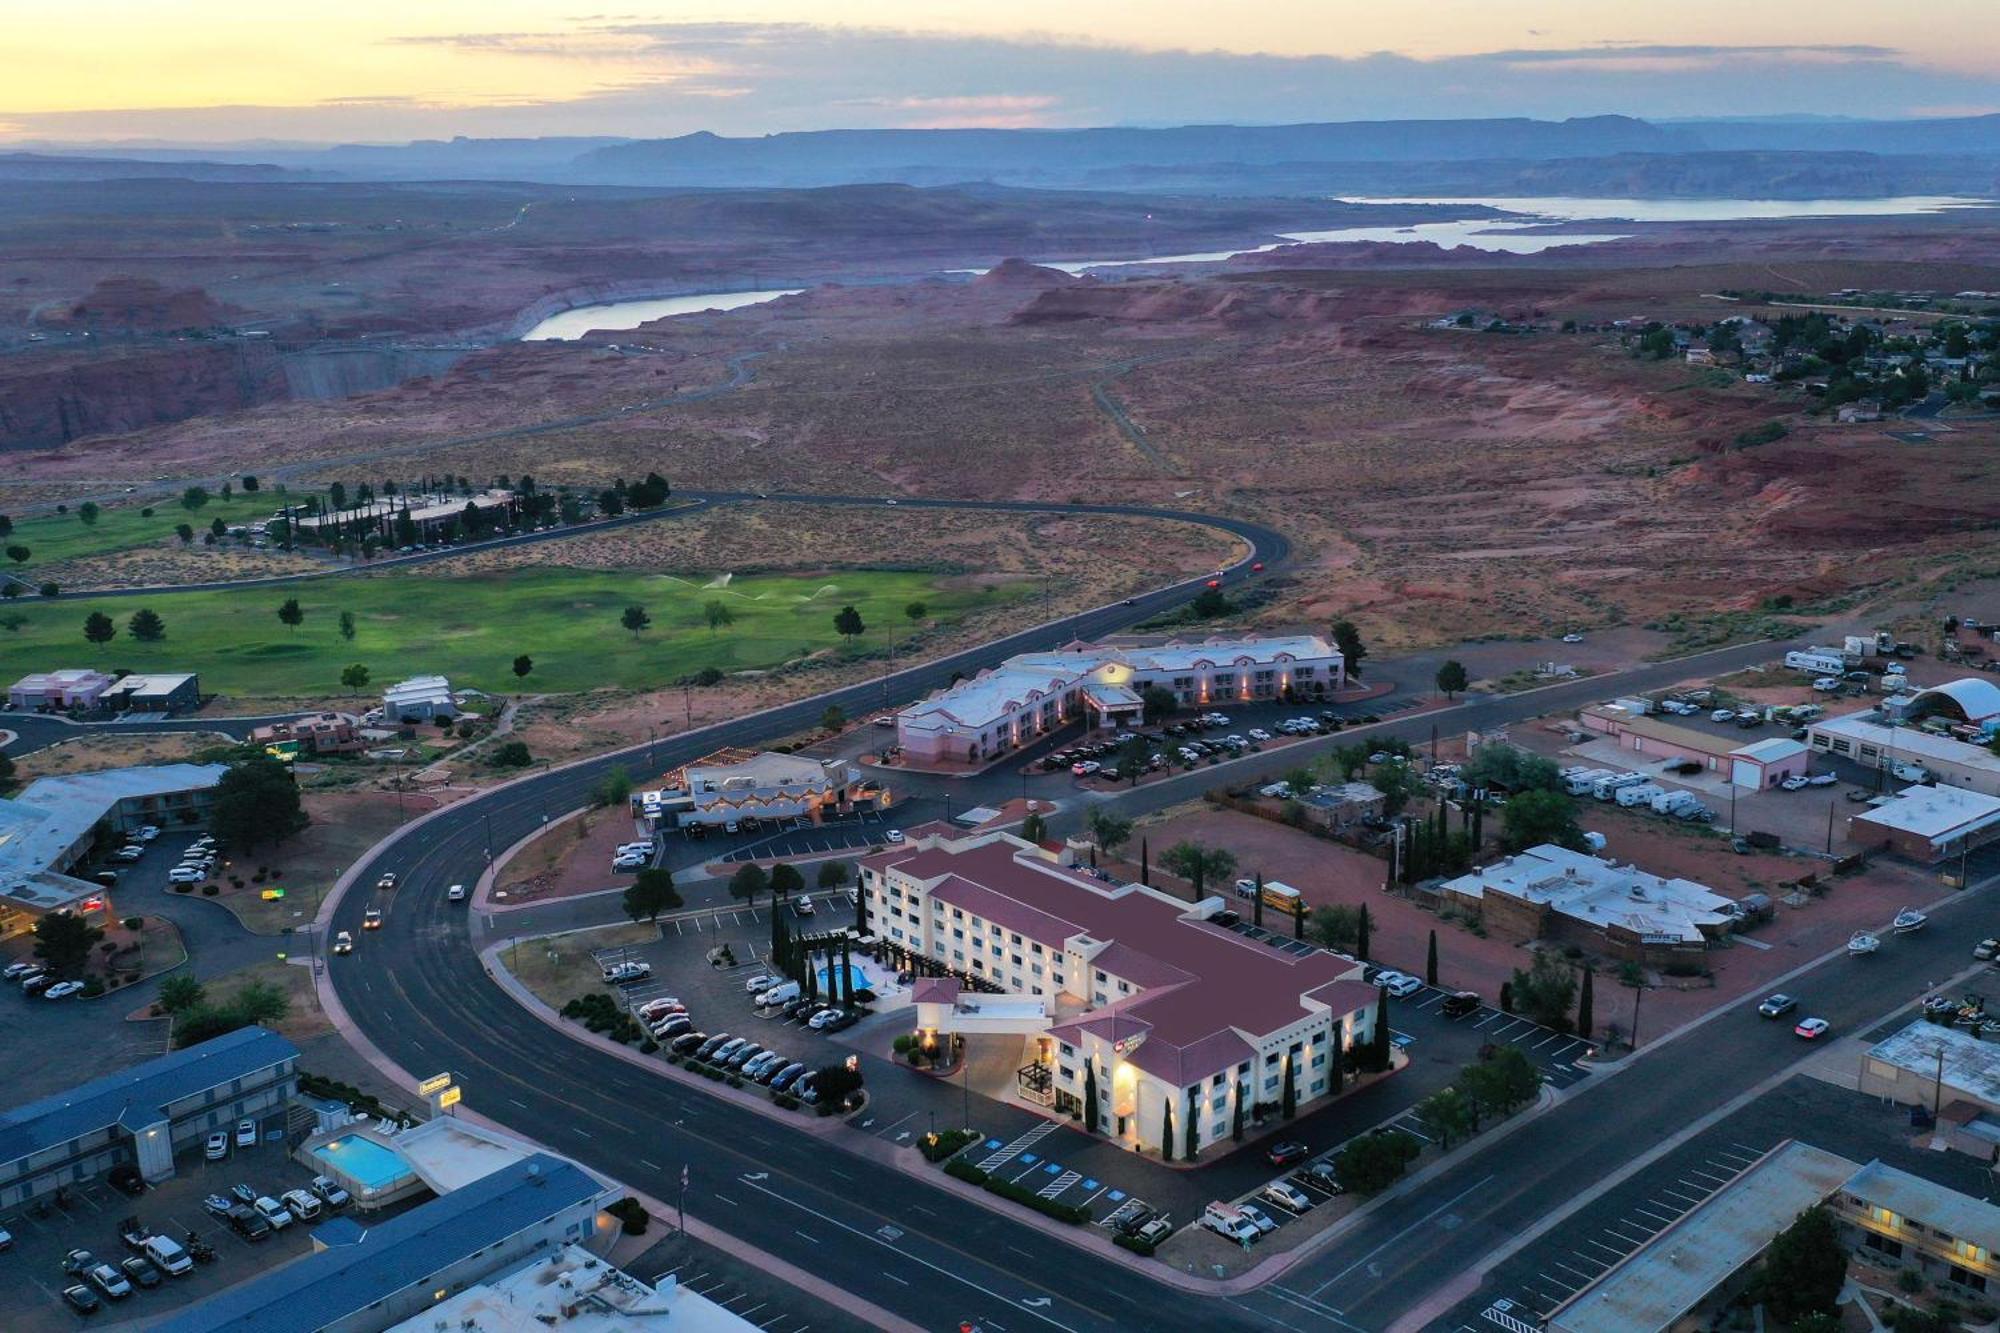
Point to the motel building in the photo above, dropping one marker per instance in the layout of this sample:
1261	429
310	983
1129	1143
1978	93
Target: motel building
1102	686
1114	990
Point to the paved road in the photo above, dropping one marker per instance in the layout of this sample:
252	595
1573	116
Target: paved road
35	730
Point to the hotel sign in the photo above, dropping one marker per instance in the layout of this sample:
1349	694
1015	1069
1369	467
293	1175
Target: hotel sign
436	1083
450	1097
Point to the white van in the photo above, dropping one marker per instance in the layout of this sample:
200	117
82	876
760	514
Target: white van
1227	1220
778	995
168	1256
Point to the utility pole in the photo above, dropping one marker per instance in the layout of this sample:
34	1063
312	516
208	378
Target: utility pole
1829	828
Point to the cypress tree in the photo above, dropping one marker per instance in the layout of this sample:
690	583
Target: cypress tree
1585	1019
1193	1145
1299	922
1257	901
1378	1051
1431	961
1288	1102
1236	1119
1145	865
1089	1096
1166	1129
1478	821
1361	934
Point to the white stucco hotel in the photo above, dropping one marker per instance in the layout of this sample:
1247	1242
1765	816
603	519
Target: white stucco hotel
1115	987
1101	686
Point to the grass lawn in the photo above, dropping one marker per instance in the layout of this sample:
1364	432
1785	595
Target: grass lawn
559	968
56	537
471	627
304	1018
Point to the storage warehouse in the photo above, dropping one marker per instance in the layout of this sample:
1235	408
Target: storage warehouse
1551	892
1929	824
174	692
1870	741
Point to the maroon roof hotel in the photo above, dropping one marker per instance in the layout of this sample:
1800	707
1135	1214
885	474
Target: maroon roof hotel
1032	694
1114	987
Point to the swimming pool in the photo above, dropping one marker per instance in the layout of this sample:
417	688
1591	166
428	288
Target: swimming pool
365	1160
857	978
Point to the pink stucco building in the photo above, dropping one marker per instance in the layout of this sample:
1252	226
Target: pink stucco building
1101	685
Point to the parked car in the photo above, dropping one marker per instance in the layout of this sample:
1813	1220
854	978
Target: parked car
1287	1196
660	1006
125	1178
246	1133
763	981
248	1223
139	1271
1795	783
77	1262
216	1205
627	973
62	990
1459	1004
185	875
1399	984
819	1020
803	906
273	1212
330	1194
216	1147
1286	1152
37	982
1260	1219
243	1194
1323	1176
301	1204
893	835
686	1042
82	1299
15	971
785	1077
108	1280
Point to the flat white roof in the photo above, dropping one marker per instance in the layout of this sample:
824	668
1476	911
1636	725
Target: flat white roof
574	1290
1906	742
52	814
1970	1065
419	687
1600	893
1669	1275
986	697
1937	813
1773	750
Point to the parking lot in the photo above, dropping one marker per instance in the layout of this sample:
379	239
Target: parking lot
744	1290
799	838
31	1297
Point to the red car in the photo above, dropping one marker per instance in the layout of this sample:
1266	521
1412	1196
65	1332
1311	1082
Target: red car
1257	568
1284	1154
1215	583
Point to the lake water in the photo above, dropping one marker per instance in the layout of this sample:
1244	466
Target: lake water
1498	236
1507	236
572	324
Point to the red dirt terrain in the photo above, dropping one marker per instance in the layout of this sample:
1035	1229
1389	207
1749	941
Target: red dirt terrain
1440	483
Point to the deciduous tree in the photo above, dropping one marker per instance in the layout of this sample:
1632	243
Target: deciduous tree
634	618
651	893
290	614
257	802
1451	678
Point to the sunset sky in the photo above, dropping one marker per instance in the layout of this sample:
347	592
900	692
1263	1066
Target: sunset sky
223	70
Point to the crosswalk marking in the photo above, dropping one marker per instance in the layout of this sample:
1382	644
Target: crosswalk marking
1003	1155
1059	1184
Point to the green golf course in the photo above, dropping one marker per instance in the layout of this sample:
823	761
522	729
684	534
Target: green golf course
53	538
471	627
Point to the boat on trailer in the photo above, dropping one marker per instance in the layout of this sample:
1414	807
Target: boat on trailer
1907	920
1861	942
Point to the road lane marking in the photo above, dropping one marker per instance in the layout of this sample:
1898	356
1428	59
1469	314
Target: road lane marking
873	1239
1364	1259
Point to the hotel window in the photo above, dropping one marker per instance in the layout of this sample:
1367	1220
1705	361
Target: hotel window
1883	1216
1220	1104
1068	1051
1016	960
1243	1070
1271	1059
1068	1074
957	933
1216	1082
1318	1085
1967	1279
1124	989
1015	941
1037	969
958	954
1303	671
1270	1082
1038	950
1970	1253
1319	1060
1098	998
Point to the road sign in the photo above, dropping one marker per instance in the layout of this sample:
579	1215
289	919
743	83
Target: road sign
450	1097
435	1083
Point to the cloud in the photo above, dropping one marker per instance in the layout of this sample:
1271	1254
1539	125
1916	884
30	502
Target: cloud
668	78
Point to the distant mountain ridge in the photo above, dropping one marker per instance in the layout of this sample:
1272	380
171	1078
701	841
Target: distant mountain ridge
1613	153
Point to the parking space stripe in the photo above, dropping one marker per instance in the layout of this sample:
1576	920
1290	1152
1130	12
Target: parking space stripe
1663	1221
